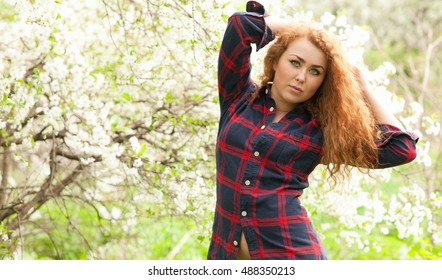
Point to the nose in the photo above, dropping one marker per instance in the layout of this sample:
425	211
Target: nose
300	75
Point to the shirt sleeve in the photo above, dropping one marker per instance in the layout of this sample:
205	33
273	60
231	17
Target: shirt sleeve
234	66
396	147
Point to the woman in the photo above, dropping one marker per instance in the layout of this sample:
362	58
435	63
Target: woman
311	107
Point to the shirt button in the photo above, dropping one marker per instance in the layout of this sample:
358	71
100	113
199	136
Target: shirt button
243	213
247	182
262	127
267	91
256	154
235	243
271	109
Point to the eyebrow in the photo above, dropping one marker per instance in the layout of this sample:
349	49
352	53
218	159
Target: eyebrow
303	61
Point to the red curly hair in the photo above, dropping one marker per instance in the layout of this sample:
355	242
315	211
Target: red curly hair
339	105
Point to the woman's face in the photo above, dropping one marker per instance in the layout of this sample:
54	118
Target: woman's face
298	74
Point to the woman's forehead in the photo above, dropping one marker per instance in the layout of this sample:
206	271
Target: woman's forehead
303	48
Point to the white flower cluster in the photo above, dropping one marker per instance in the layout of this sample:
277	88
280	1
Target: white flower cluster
353	38
359	205
407	211
190	193
352	238
4	236
432	125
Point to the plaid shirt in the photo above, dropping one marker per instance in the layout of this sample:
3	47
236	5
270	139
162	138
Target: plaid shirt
262	166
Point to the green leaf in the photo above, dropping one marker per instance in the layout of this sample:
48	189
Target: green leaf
143	149
169	97
361	210
127	96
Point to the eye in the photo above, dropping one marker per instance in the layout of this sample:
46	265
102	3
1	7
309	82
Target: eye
295	63
315	71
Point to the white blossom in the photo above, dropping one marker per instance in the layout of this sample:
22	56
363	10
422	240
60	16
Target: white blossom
2	124
135	144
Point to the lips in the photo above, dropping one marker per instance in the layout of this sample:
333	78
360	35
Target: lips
296	89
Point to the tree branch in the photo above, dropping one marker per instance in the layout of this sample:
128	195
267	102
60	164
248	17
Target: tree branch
5	176
42	197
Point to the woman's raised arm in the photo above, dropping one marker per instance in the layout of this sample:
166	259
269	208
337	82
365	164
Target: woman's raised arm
380	110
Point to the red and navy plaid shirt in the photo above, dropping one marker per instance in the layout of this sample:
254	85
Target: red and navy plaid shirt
263	166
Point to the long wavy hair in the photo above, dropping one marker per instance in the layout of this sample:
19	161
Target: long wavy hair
339	105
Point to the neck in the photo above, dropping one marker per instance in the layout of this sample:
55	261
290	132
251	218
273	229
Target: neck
282	106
